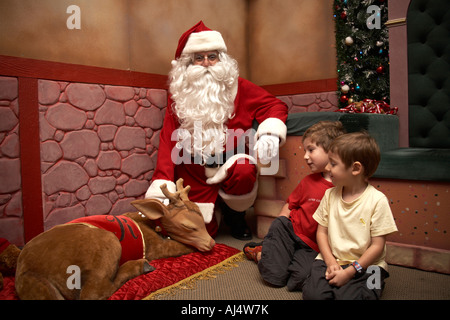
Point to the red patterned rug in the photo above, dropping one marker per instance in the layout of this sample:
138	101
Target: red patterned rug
170	274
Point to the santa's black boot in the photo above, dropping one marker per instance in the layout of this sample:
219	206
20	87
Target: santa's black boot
236	221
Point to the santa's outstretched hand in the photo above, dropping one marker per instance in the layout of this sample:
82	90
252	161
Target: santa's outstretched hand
267	147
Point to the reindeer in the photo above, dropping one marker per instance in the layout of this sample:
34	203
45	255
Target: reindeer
48	260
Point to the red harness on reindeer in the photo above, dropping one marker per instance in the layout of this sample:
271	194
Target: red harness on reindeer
124	228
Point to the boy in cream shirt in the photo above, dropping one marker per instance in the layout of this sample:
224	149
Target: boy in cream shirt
354	219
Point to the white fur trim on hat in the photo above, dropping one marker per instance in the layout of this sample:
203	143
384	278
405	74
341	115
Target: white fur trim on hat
240	202
274	127
154	191
205	41
207	210
219	175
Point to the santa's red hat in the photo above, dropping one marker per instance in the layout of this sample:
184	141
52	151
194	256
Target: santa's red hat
200	38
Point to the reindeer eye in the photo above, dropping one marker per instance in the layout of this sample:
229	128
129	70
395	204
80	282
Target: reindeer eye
189	227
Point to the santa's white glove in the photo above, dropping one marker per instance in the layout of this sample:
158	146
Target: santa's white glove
267	147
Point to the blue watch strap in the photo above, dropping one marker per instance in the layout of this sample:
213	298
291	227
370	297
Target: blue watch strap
357	266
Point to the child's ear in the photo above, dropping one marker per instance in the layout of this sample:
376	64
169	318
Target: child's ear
357	168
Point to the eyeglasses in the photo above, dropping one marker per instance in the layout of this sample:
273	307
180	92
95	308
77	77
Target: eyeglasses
212	57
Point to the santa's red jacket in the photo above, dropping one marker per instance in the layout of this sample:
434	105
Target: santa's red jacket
251	103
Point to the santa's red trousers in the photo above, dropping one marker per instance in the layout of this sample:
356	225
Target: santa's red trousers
240	180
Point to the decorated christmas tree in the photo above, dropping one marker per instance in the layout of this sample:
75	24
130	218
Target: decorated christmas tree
362	48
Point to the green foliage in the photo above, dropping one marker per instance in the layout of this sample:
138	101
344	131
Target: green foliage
364	64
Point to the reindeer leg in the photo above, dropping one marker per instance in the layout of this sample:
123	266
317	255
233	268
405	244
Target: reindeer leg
132	269
168	248
37	287
103	289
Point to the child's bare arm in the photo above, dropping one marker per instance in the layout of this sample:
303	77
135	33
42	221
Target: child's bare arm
325	250
339	278
373	252
285	211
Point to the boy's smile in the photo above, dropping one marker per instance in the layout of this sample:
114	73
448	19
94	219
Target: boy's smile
338	172
315	156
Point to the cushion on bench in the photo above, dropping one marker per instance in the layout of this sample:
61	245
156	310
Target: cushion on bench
396	163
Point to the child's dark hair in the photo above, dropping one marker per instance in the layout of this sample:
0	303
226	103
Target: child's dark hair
324	132
357	146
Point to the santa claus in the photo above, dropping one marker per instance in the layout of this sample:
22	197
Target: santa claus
208	137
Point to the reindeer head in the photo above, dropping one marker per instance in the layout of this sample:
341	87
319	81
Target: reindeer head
181	219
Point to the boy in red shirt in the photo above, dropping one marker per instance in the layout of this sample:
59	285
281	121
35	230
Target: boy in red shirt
288	250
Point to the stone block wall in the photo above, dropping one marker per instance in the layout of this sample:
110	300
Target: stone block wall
311	102
11	225
98	147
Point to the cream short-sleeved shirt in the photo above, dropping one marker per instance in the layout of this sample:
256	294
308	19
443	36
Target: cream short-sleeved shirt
351	225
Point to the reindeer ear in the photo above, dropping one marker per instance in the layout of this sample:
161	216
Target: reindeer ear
151	208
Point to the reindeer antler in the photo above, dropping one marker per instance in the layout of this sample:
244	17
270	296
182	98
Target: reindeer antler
179	196
183	191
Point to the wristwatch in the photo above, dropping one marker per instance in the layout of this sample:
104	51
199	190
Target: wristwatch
357	266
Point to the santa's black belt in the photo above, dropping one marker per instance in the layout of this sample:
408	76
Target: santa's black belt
215	161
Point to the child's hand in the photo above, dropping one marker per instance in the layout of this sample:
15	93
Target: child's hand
331	270
340	277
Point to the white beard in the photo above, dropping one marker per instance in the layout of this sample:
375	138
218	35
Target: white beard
203	102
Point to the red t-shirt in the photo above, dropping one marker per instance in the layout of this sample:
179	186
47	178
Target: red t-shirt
303	202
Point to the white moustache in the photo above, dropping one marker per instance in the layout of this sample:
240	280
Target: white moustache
195	72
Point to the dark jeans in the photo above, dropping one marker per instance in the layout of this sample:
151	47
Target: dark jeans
285	258
316	287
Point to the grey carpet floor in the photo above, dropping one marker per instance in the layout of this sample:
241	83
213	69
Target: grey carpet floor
243	282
